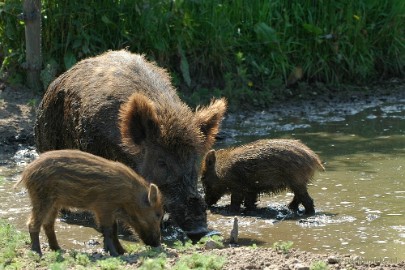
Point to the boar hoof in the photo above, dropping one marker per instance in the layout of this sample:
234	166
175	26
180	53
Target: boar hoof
310	211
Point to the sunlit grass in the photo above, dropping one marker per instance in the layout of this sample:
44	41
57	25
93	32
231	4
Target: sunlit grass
15	253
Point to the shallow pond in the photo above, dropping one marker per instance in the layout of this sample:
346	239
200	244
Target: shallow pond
359	199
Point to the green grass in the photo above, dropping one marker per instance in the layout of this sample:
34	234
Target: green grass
199	261
15	253
319	265
243	50
11	244
283	247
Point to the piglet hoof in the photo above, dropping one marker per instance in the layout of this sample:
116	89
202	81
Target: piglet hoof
38	251
109	248
35	245
55	248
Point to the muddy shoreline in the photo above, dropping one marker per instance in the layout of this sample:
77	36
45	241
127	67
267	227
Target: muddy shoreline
17	117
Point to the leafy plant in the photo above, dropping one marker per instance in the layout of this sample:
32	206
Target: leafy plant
110	264
82	259
319	265
154	264
199	261
179	245
11	241
283	247
217	239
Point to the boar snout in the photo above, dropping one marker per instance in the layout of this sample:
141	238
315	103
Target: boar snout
196	218
196	234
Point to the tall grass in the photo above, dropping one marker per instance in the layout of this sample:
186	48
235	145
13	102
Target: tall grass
244	48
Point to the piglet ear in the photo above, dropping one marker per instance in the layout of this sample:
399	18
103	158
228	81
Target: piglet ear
154	195
208	120
210	158
138	120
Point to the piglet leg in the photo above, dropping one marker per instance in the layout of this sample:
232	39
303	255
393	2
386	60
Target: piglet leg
49	228
108	240
117	243
35	245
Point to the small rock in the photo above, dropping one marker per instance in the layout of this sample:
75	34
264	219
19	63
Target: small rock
300	266
211	245
333	260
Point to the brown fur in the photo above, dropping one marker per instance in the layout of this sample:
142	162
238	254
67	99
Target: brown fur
111	190
121	107
260	166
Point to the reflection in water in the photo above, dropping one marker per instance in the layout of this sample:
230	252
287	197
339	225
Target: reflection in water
359	199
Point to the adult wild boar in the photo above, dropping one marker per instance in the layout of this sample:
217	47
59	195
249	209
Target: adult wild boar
162	137
111	190
257	167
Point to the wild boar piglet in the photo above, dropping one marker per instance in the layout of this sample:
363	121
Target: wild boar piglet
110	190
260	167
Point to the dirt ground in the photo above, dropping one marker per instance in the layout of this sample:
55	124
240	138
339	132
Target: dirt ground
17	117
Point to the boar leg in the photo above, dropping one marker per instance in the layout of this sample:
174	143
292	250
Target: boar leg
293	205
308	203
250	200
116	242
303	197
49	228
236	201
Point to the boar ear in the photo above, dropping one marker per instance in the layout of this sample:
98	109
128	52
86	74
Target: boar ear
210	158
138	120
209	118
153	196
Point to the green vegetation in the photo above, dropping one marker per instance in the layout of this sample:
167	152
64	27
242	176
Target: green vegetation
199	261
319	265
283	247
15	254
247	51
11	242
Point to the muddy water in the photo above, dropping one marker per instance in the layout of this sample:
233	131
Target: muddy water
359	199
